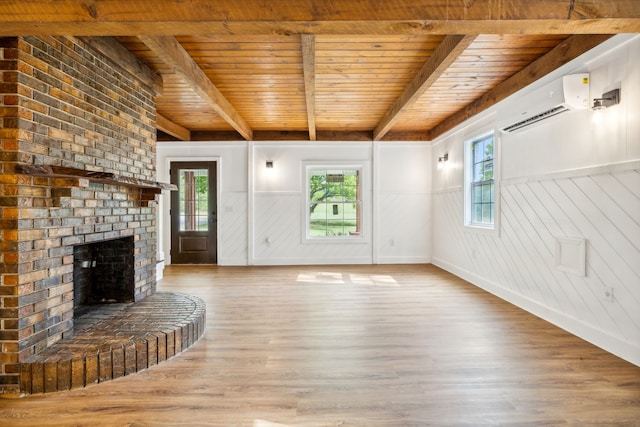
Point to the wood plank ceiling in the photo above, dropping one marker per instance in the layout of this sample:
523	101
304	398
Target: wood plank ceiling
330	70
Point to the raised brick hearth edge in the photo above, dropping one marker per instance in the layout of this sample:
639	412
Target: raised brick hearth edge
114	341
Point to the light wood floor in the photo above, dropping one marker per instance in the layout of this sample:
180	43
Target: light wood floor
355	346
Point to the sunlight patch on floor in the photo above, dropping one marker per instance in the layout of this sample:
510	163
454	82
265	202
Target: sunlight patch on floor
263	423
373	280
321	277
339	278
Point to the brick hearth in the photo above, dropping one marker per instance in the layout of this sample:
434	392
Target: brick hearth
116	340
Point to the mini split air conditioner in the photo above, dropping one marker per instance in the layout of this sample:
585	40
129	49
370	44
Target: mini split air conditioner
568	93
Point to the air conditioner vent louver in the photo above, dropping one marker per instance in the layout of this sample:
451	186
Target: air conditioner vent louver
534	119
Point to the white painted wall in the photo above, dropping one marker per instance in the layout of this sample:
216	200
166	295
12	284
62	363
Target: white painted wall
279	200
565	177
261	212
402	203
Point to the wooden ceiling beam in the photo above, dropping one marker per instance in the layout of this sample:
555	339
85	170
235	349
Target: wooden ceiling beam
173	54
364	28
311	10
347	28
566	51
406	135
295	136
173	17
308	42
438	63
171	128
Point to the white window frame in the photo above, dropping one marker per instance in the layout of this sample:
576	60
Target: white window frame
310	166
468	182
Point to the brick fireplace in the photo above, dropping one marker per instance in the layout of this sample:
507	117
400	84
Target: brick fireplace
65	106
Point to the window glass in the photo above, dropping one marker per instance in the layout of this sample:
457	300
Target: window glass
482	181
194	203
334	203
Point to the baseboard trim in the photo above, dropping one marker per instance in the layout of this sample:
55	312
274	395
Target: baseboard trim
311	261
614	345
403	260
232	262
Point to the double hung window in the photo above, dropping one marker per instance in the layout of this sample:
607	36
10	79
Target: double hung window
333	202
482	185
480	182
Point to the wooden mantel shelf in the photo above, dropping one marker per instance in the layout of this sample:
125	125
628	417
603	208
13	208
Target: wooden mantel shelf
51	171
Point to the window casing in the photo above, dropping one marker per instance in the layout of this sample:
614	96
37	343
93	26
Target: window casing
334	202
480	182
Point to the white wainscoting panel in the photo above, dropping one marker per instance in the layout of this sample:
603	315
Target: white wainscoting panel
278	226
404	228
232	228
602	208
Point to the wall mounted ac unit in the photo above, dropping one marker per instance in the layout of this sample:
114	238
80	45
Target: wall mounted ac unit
568	93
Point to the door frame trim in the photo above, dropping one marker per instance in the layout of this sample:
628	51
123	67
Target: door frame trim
164	241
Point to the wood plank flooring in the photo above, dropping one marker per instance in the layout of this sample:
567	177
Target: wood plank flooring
354	346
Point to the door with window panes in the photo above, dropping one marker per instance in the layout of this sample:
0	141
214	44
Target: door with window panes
193	213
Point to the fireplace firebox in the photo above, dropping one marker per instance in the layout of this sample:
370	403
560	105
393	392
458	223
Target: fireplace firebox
103	273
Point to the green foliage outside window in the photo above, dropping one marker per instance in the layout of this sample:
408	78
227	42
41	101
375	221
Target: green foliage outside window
334	205
194	200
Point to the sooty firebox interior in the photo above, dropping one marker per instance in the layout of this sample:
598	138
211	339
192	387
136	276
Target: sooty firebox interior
103	273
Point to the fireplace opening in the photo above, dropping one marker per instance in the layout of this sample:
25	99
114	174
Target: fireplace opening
103	273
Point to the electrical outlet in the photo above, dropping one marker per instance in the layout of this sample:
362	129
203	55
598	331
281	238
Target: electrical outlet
608	294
